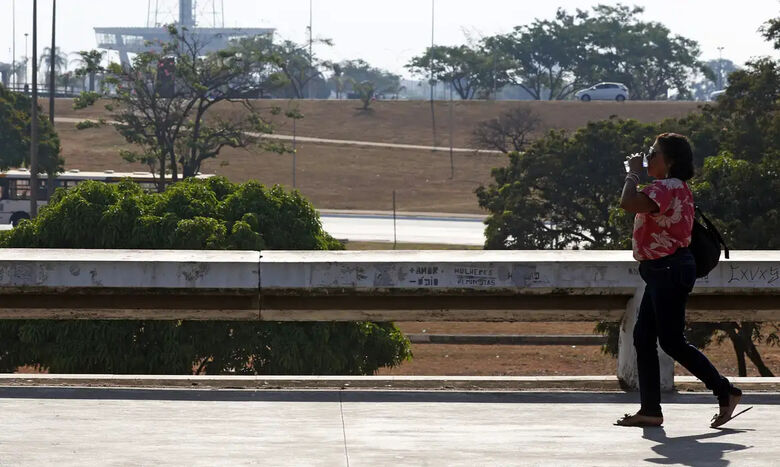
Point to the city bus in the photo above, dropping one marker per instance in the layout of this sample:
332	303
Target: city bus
15	188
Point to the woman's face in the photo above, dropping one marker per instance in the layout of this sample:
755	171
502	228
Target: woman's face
656	162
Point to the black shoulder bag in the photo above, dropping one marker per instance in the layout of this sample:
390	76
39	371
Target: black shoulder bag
705	245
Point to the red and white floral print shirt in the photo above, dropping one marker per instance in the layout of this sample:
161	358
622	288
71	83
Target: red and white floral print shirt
661	233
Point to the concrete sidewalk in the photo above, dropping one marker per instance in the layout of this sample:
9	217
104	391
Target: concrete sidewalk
92	426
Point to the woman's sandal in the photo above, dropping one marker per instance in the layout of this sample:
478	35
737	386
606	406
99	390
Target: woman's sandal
727	411
639	420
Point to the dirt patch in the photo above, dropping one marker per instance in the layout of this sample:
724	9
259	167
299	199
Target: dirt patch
330	176
348	177
409	122
505	360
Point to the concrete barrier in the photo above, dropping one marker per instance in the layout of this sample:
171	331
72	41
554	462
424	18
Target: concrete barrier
371	285
128	284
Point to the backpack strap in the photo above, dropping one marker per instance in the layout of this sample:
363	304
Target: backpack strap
712	228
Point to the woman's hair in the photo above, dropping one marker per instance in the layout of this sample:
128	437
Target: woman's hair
678	152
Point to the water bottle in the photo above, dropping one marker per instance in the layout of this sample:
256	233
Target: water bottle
644	161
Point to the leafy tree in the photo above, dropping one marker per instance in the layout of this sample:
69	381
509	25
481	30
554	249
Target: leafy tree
472	71
542	57
337	80
550	59
359	71
748	112
643	55
259	53
288	64
45	62
15	122
560	192
366	92
771	31
395	89
717	80
162	100
509	132
193	214
90	65
66	80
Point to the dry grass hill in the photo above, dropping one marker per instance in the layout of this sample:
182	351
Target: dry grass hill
350	177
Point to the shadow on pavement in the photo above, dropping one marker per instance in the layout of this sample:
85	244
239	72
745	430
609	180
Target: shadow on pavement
355	395
689	450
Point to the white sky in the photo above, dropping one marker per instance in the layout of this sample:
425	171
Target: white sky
388	33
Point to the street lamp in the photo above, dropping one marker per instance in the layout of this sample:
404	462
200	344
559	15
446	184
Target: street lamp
52	58
430	81
13	46
25	58
34	119
720	67
311	39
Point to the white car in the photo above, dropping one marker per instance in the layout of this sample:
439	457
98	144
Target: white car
604	92
716	94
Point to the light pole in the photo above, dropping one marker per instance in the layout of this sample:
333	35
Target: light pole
452	160
34	119
52	58
311	39
14	84
430	82
294	151
25	57
720	67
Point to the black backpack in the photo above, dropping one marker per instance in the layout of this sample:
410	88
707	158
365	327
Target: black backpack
705	245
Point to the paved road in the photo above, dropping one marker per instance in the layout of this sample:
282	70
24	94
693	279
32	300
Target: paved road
43	426
337	142
409	228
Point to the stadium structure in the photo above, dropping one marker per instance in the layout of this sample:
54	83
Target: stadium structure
133	40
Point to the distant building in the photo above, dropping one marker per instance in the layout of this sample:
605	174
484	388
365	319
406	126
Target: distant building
5	73
129	40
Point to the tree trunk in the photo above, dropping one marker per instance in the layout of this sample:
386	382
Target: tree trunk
746	333
433	119
161	182
755	357
739	349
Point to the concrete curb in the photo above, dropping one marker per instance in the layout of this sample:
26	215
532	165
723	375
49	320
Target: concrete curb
507	339
406	214
429	383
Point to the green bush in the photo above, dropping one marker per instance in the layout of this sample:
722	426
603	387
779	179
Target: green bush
193	214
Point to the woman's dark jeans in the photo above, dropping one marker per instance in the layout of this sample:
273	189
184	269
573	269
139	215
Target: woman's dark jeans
662	316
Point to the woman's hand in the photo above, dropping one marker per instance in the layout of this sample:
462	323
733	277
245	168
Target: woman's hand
635	162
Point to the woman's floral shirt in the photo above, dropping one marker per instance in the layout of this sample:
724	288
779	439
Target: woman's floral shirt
661	233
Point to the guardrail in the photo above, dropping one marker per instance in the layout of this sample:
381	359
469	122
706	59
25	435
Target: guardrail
370	285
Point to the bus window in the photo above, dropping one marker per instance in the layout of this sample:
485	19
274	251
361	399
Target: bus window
20	190
3	189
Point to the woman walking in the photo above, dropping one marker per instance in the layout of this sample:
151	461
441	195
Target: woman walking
662	233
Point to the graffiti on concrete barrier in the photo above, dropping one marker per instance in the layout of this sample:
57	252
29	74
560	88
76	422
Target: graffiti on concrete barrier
427	275
766	274
424	275
474	276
